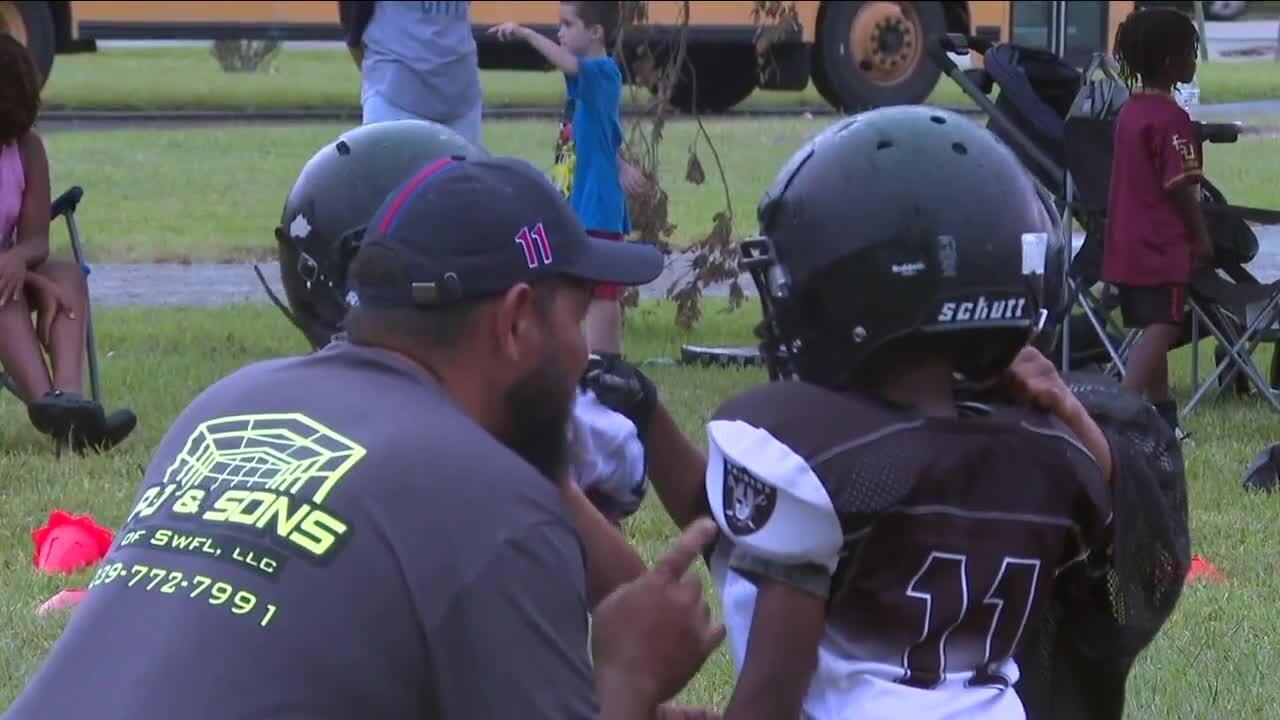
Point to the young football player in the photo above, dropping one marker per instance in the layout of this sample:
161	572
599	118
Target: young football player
888	550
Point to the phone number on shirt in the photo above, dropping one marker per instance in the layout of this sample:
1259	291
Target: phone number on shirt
170	582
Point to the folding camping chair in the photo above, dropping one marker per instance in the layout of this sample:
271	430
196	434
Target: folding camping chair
1220	304
1088	135
65	207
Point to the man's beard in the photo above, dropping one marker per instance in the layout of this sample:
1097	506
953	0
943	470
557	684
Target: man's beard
540	408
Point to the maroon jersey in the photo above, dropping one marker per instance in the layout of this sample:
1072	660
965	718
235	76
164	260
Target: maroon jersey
1157	151
936	541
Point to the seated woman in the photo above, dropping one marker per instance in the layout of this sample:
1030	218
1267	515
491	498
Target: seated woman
30	280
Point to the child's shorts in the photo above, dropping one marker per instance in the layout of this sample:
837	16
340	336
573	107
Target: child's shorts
1152	305
606	291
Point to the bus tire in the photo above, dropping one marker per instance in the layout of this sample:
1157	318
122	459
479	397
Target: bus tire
721	76
818	73
32	24
873	53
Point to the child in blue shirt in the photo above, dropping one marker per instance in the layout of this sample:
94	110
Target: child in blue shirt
594	85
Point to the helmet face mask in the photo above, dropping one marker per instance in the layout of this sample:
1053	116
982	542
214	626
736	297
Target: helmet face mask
330	204
858	252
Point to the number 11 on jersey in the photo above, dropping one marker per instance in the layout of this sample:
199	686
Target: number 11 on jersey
942	587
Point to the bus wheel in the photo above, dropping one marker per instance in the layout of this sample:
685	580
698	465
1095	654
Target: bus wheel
818	73
715	79
32	24
873	52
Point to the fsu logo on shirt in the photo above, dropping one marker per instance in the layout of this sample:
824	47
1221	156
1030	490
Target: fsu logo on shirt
1187	150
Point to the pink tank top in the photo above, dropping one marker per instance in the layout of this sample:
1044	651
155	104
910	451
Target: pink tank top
12	185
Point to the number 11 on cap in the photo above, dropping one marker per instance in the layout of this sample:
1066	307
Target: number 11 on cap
534	243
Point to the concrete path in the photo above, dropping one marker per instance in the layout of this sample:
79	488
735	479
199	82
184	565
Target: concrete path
221	284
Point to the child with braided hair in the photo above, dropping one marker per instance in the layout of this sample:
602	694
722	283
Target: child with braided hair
1156	234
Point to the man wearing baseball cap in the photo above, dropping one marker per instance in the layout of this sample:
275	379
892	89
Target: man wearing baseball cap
377	528
467	229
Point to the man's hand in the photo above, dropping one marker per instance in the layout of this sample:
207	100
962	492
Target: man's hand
650	636
357	55
13	276
622	388
509	31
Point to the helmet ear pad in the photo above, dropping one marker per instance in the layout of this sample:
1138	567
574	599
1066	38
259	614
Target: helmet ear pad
316	311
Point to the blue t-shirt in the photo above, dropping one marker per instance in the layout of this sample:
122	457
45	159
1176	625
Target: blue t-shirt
597	195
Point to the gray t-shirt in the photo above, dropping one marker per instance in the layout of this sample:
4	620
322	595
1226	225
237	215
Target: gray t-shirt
328	536
421	56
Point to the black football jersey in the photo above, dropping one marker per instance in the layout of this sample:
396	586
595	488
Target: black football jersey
936	541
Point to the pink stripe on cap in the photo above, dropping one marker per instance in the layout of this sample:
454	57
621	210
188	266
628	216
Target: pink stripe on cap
409	189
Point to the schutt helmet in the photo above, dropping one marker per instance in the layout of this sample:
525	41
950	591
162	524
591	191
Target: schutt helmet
902	221
334	197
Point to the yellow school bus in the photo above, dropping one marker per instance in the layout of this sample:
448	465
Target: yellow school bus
858	54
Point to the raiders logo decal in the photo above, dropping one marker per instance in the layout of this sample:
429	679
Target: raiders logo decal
748	502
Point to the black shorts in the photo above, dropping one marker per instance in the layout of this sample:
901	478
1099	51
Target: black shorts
1155	305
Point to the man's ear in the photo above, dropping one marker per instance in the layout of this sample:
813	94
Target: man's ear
516	332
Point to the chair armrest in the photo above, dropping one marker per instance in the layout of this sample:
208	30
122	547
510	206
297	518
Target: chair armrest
66	202
1218	132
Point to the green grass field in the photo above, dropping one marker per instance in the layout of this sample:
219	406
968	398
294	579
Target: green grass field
216	194
1263	9
190	79
1211	662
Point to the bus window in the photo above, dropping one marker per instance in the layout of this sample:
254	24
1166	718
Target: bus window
1087	22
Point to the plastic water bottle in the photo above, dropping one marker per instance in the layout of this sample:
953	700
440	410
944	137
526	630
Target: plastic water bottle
1189	95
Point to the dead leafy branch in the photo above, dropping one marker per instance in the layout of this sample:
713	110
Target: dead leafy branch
657	62
246	56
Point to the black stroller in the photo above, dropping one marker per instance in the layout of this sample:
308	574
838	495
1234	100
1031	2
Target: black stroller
1060	121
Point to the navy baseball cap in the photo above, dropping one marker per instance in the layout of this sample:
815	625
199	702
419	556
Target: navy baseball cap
463	229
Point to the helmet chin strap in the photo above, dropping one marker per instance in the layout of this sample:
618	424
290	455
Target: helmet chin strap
772	285
970	386
276	301
316	276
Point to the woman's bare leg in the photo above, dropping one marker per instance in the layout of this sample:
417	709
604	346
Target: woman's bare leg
20	353
67	335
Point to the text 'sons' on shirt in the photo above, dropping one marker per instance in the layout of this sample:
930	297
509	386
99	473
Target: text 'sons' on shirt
327	536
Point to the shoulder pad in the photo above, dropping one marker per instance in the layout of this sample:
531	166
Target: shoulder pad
767	499
1109	404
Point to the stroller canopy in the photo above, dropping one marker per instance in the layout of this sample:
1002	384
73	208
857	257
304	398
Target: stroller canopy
1037	87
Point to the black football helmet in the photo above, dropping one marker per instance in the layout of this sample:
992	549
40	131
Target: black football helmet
335	195
1056	297
901	221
